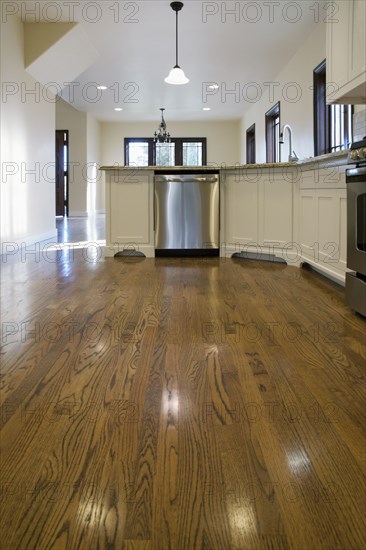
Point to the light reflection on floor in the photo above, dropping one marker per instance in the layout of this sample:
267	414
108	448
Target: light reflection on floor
75	230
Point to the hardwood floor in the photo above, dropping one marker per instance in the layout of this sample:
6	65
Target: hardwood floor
91	229
179	404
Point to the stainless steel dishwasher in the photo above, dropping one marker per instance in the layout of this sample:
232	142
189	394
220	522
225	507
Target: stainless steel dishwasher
187	214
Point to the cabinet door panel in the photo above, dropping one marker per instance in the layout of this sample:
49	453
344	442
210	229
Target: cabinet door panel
357	37
307	222
337	51
241	211
130	211
328	227
323	228
346	52
276	209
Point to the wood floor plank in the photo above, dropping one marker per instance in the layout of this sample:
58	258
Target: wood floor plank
165	499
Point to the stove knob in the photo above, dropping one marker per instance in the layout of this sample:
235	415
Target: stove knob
354	154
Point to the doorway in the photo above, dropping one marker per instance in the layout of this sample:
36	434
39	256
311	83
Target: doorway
251	145
62	173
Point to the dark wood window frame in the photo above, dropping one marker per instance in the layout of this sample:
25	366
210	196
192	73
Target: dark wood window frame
321	112
250	145
323	128
272	145
150	142
178	149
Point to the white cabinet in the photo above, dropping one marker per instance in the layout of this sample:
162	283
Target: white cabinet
322	223
337	47
129	211
239	210
332	228
322	227
298	213
346	52
357	42
275	207
256	210
307	215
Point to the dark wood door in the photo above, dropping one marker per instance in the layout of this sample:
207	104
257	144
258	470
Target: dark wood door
61	172
251	145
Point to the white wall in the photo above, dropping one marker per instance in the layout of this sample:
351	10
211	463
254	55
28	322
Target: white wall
96	189
27	144
222	138
298	114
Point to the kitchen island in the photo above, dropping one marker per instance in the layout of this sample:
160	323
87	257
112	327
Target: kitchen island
279	212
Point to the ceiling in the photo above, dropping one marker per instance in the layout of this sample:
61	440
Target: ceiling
241	51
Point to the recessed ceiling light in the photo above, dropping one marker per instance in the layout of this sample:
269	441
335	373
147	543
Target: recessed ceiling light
206	109
102	88
118	109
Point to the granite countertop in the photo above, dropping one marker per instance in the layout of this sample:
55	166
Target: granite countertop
340	157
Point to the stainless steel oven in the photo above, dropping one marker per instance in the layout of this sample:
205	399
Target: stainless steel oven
356	229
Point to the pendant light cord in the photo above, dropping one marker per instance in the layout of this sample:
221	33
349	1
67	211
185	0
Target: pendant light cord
176	39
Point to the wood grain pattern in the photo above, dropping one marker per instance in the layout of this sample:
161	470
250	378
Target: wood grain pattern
180	404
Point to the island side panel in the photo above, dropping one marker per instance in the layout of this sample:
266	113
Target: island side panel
130	212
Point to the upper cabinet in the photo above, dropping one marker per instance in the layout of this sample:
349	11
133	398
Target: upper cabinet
346	52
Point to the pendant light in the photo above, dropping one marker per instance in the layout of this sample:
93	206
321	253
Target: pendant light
162	136
176	75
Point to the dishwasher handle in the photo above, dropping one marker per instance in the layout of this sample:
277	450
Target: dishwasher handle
182	179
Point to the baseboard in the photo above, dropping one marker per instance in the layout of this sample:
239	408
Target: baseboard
333	275
289	256
84	214
78	214
12	247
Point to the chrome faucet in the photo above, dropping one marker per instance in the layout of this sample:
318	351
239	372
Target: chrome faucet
292	157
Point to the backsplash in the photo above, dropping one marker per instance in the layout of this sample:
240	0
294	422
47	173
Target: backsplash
359	124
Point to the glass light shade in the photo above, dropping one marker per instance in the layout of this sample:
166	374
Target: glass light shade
176	76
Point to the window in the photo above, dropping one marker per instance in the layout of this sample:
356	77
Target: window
273	134
333	126
193	152
251	145
165	154
179	152
138	152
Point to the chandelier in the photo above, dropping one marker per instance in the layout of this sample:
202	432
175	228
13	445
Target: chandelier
162	136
